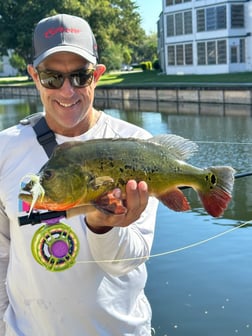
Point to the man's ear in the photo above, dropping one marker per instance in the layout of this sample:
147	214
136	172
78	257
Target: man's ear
34	75
99	71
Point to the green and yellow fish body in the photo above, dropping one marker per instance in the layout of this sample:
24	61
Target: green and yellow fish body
83	173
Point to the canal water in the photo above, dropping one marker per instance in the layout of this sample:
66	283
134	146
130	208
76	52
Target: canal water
200	269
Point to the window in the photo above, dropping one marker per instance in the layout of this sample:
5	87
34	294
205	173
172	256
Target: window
201	20
221	17
237	16
222	52
175	2
170	25
212	52
188	22
211	18
242	50
180	54
171	55
188	54
179	23
201	52
237	52
233	54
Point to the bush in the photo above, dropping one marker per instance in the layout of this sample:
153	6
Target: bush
156	64
146	65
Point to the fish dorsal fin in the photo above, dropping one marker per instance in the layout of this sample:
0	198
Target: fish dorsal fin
178	146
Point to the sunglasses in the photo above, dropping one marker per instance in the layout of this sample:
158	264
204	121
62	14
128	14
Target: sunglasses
51	79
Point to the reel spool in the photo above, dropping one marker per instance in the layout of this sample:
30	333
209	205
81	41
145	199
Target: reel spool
55	247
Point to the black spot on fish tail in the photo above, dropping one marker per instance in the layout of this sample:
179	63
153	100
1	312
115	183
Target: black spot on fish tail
213	179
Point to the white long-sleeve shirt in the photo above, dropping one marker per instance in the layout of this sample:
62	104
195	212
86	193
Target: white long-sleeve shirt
92	297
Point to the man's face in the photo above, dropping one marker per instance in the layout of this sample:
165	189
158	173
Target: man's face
69	109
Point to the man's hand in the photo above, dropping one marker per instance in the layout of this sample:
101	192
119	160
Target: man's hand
135	201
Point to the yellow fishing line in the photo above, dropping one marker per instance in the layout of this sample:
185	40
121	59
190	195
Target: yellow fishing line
168	252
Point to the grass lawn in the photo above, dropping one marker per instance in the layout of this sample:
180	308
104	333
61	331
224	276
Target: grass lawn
152	79
21	80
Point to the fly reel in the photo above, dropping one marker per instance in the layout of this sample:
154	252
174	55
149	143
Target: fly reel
55	246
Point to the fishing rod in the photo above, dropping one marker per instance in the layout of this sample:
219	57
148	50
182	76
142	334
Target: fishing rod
243	175
41	217
52	217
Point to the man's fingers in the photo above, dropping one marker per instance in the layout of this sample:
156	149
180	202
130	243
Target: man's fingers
136	201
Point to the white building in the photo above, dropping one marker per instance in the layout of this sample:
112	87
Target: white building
205	36
6	70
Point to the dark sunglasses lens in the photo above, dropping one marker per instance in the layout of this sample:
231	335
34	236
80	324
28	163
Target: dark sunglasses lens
55	80
51	80
82	78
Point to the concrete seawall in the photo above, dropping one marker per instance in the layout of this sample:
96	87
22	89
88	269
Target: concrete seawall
180	100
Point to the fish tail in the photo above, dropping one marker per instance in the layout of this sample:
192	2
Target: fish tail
216	198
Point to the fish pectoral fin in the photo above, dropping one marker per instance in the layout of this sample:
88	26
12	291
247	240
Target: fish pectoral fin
175	200
110	204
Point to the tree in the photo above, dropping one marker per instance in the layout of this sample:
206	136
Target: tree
17	21
17	62
114	21
113	56
127	56
147	51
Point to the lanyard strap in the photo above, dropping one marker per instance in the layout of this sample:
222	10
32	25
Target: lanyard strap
45	135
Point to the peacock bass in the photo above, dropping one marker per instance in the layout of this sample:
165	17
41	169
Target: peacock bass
84	173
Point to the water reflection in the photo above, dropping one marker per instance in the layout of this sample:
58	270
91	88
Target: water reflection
203	288
173	106
13	110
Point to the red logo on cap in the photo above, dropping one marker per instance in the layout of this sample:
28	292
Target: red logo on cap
53	31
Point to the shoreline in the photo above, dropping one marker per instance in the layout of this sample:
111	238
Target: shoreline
208	99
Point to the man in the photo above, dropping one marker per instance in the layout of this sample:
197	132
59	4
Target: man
103	293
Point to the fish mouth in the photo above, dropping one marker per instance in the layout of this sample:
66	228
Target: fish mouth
32	190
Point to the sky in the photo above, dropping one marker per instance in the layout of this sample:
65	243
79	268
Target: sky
149	11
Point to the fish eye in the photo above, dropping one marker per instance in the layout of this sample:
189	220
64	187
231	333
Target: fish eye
48	174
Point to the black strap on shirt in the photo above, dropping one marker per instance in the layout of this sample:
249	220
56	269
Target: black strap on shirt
47	140
45	135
